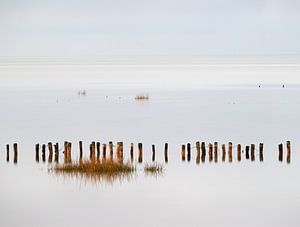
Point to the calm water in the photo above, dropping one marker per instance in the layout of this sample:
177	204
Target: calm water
210	194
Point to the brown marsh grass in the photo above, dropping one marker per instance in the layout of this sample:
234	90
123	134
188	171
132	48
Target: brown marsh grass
105	171
154	169
142	97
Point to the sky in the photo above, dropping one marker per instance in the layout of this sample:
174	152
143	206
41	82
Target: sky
157	27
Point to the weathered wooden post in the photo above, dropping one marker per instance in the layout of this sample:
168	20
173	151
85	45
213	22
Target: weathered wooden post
66	151
280	148
50	152
188	152
91	151
111	150
198	152
140	152
98	151
203	152
103	151
210	152
120	151
261	152
80	150
183	152
131	152
15	153
239	152
216	152
69	152
166	153
56	148
7	152
288	147
153	152
37	153
44	153
247	152
230	151
223	152
252	152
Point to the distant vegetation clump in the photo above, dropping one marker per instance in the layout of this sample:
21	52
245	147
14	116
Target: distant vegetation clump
153	168
81	92
142	97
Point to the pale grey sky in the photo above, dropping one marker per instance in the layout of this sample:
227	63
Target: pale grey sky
157	27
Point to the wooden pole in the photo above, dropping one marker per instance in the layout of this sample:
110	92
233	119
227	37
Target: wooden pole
216	152
288	147
121	151
50	152
239	152
131	152
56	147
198	152
153	152
69	153
247	152
210	152
261	152
183	152
43	152
118	151
80	150
188	152
37	153
166	153
280	148
103	151
252	152
66	151
7	152
98	151
93	150
203	152
140	152
223	152
230	151
111	150
15	153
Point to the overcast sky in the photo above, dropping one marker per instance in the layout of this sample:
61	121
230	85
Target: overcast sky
156	27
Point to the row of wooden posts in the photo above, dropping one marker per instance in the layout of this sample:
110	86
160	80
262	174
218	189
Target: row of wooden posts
213	152
201	152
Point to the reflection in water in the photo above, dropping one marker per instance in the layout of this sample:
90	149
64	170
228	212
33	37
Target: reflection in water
95	178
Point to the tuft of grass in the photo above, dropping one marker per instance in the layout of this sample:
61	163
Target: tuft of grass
83	93
142	97
104	167
108	171
154	168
